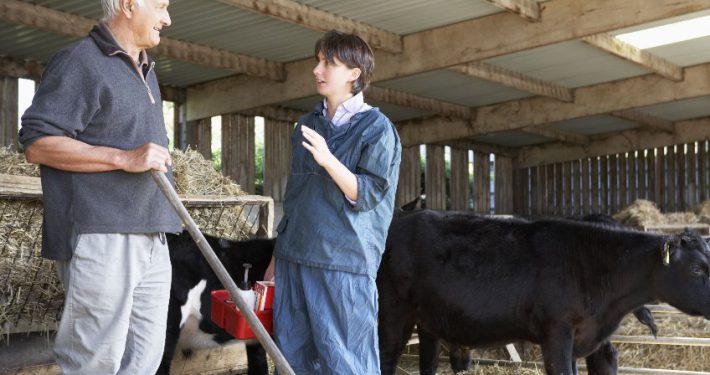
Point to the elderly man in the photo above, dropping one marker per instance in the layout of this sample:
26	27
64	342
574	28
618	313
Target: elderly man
96	128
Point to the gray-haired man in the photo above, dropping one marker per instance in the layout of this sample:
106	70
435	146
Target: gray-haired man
96	128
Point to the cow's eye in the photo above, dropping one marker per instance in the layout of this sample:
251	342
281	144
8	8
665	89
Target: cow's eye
698	270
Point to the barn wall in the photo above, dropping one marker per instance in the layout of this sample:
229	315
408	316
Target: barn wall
675	178
8	112
238	150
277	157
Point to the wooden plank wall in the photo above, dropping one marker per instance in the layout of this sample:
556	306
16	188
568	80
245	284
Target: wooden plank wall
409	186
238	150
481	182
435	172
277	157
459	179
199	136
8	112
504	185
675	178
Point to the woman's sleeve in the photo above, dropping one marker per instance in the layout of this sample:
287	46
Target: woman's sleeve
377	171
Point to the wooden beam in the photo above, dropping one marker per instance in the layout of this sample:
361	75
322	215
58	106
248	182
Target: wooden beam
645	119
172	94
515	80
16	68
557	134
482	147
405	99
54	21
635	139
593	100
433	130
316	19
528	9
447	46
626	51
277	113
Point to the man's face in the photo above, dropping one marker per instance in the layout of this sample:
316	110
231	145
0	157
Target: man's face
148	21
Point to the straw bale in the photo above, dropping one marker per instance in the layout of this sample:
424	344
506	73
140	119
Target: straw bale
195	175
703	211
681	218
639	214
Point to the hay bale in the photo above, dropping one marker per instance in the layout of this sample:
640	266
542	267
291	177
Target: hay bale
703	211
681	218
639	214
14	163
195	175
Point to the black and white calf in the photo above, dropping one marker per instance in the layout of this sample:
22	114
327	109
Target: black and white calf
190	303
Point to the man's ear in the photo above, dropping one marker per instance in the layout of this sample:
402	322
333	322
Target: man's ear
127	7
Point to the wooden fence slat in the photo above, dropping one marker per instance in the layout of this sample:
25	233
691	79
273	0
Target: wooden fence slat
642	160
623	181
596	208
659	178
559	190
586	204
8	112
520	191
539	183
550	189
459	179
672	179
567	186
409	186
487	183
435	186
277	157
238	150
613	183
604	184
691	190
632	177
703	169
681	171
504	184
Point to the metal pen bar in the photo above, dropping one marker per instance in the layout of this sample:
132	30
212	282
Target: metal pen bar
256	326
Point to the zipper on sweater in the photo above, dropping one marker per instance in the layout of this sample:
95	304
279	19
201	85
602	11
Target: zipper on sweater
140	74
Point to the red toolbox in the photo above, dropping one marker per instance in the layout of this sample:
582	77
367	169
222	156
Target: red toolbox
226	315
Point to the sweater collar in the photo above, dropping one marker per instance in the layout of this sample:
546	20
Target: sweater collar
104	39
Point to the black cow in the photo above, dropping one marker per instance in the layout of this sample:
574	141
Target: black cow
562	284
190	269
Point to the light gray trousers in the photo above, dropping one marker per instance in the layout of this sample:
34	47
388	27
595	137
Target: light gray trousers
117	288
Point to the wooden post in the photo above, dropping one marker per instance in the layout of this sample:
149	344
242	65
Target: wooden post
277	157
550	172
642	159
519	190
8	112
199	137
623	180
238	150
604	184
659	172
691	191
672	177
703	166
586	205
567	186
459	179
613	183
534	190
595	206
435	186
504	185
559	190
410	174
577	187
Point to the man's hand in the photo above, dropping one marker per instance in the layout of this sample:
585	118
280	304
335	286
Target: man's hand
146	157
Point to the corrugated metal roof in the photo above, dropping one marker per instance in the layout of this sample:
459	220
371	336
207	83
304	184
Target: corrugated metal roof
455	88
180	74
406	16
570	64
680	110
29	43
593	125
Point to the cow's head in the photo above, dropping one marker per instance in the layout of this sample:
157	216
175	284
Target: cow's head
683	279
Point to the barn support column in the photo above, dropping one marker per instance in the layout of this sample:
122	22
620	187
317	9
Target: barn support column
435	186
409	186
8	112
277	157
238	150
481	182
199	136
504	185
459	179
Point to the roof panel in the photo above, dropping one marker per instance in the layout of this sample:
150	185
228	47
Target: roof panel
406	16
680	110
513	138
455	88
594	125
571	64
31	44
180	74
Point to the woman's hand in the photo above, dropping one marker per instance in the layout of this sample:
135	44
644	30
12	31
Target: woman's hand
317	146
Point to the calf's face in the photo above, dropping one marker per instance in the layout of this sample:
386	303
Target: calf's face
684	281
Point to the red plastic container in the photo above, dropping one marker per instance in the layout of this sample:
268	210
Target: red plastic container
226	315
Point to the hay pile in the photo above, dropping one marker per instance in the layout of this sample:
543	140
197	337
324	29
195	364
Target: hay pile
681	218
703	211
31	295
639	214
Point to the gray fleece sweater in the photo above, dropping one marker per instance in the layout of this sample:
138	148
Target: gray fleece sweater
92	91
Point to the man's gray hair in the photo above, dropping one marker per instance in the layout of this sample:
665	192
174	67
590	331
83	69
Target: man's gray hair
112	7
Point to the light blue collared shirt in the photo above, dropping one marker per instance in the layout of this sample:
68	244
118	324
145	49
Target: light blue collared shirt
347	109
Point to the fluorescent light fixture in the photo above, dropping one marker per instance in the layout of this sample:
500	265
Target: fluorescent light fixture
668	34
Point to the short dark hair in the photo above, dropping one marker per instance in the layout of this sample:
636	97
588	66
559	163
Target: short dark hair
352	50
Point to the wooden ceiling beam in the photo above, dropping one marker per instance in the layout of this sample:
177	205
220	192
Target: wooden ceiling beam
634	139
528	9
447	46
599	99
54	21
16	68
556	134
659	65
316	19
515	80
408	100
645	119
482	147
